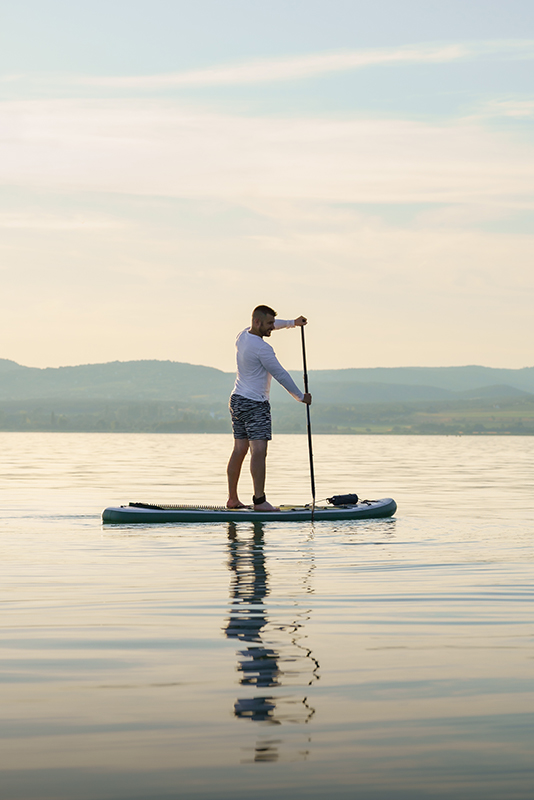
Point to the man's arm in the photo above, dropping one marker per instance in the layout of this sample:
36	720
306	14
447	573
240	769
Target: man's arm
273	366
282	375
290	323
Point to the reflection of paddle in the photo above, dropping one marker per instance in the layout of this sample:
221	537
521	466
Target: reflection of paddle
312	476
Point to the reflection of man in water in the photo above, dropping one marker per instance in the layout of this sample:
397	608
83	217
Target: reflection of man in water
259	664
249	402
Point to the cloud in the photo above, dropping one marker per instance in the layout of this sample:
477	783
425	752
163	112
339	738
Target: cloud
284	69
49	222
269	70
301	67
517	108
160	148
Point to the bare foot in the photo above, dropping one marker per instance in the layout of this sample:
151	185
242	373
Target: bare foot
236	504
265	507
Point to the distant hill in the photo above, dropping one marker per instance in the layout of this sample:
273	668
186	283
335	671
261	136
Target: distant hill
171	397
7	366
138	381
453	379
117	380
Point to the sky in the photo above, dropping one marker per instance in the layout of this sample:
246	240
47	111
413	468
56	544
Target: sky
165	166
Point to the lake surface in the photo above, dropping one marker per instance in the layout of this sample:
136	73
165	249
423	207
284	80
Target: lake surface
375	660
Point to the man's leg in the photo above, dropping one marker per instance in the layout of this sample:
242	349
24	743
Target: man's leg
234	471
258	456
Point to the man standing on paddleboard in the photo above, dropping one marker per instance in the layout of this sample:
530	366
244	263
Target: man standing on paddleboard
249	402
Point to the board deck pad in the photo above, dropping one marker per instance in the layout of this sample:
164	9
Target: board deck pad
159	512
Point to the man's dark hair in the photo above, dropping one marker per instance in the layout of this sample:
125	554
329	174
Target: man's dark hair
262	311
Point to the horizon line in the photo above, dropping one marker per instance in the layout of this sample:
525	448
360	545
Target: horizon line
290	369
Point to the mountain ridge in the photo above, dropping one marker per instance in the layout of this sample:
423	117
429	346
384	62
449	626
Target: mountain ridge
151	379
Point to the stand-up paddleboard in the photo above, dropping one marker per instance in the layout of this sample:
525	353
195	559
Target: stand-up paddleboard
343	506
146	512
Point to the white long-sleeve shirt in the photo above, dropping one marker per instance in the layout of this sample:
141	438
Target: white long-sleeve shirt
257	363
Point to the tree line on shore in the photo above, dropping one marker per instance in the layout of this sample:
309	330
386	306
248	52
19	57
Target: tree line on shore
512	416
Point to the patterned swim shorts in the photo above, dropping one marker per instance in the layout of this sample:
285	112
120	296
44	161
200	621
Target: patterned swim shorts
251	419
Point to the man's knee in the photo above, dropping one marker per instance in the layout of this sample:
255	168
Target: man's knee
258	447
241	446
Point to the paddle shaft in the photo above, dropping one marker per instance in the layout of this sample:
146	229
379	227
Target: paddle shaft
306	389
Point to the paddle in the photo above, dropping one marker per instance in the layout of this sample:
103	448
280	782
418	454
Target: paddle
312	475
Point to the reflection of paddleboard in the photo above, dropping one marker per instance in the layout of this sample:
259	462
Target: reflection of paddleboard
146	512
